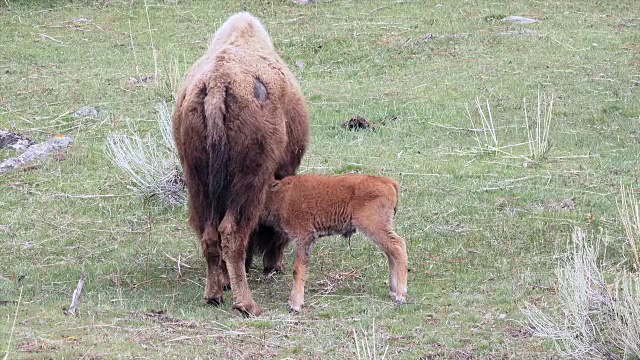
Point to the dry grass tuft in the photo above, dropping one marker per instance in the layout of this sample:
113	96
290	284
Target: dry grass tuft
366	346
595	319
629	213
488	139
153	167
538	133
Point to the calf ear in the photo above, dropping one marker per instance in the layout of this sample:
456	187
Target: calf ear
274	186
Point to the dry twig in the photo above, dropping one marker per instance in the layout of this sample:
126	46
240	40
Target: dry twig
77	293
15	316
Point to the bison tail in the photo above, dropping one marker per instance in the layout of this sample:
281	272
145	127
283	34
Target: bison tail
215	112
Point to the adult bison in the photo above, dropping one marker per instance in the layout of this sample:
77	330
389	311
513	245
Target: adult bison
240	120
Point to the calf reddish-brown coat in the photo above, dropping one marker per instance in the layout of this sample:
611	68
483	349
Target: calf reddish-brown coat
240	120
306	207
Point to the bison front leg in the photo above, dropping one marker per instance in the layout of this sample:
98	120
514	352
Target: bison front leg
300	267
234	246
215	280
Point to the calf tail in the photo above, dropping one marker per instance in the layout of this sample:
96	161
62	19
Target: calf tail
396	186
215	108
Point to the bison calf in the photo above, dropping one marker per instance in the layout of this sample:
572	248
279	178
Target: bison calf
306	207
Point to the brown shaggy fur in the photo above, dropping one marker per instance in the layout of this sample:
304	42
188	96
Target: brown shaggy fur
240	119
306	207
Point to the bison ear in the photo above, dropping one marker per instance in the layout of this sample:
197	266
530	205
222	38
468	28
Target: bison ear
274	186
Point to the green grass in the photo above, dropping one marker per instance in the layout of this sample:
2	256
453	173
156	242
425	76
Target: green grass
482	229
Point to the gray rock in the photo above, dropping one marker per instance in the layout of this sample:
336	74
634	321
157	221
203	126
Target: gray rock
91	112
520	20
82	20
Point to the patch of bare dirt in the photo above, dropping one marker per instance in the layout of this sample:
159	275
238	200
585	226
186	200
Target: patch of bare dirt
508	205
461	354
562	205
431	36
36	346
518	333
141	80
455	228
161	316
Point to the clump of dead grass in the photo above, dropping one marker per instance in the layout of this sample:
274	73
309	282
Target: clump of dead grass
484	131
152	165
366	347
629	213
595	319
538	133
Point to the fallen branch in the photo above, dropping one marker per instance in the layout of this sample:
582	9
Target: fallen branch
77	293
14	141
34	152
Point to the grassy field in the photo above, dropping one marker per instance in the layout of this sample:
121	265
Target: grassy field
483	227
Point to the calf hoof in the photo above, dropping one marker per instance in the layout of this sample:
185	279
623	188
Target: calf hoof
398	298
296	304
214	300
247	310
270	270
295	308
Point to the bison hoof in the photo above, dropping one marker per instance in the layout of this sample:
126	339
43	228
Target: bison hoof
216	300
248	310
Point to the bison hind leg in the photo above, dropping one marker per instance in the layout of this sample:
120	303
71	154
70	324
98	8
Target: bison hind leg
234	241
216	273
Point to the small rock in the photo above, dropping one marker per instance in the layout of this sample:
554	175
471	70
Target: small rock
142	80
439	5
303	2
520	20
357	123
81	20
567	204
300	64
90	111
5	229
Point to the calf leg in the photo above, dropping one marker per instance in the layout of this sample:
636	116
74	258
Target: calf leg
380	232
273	259
210	243
300	265
234	247
271	244
395	248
